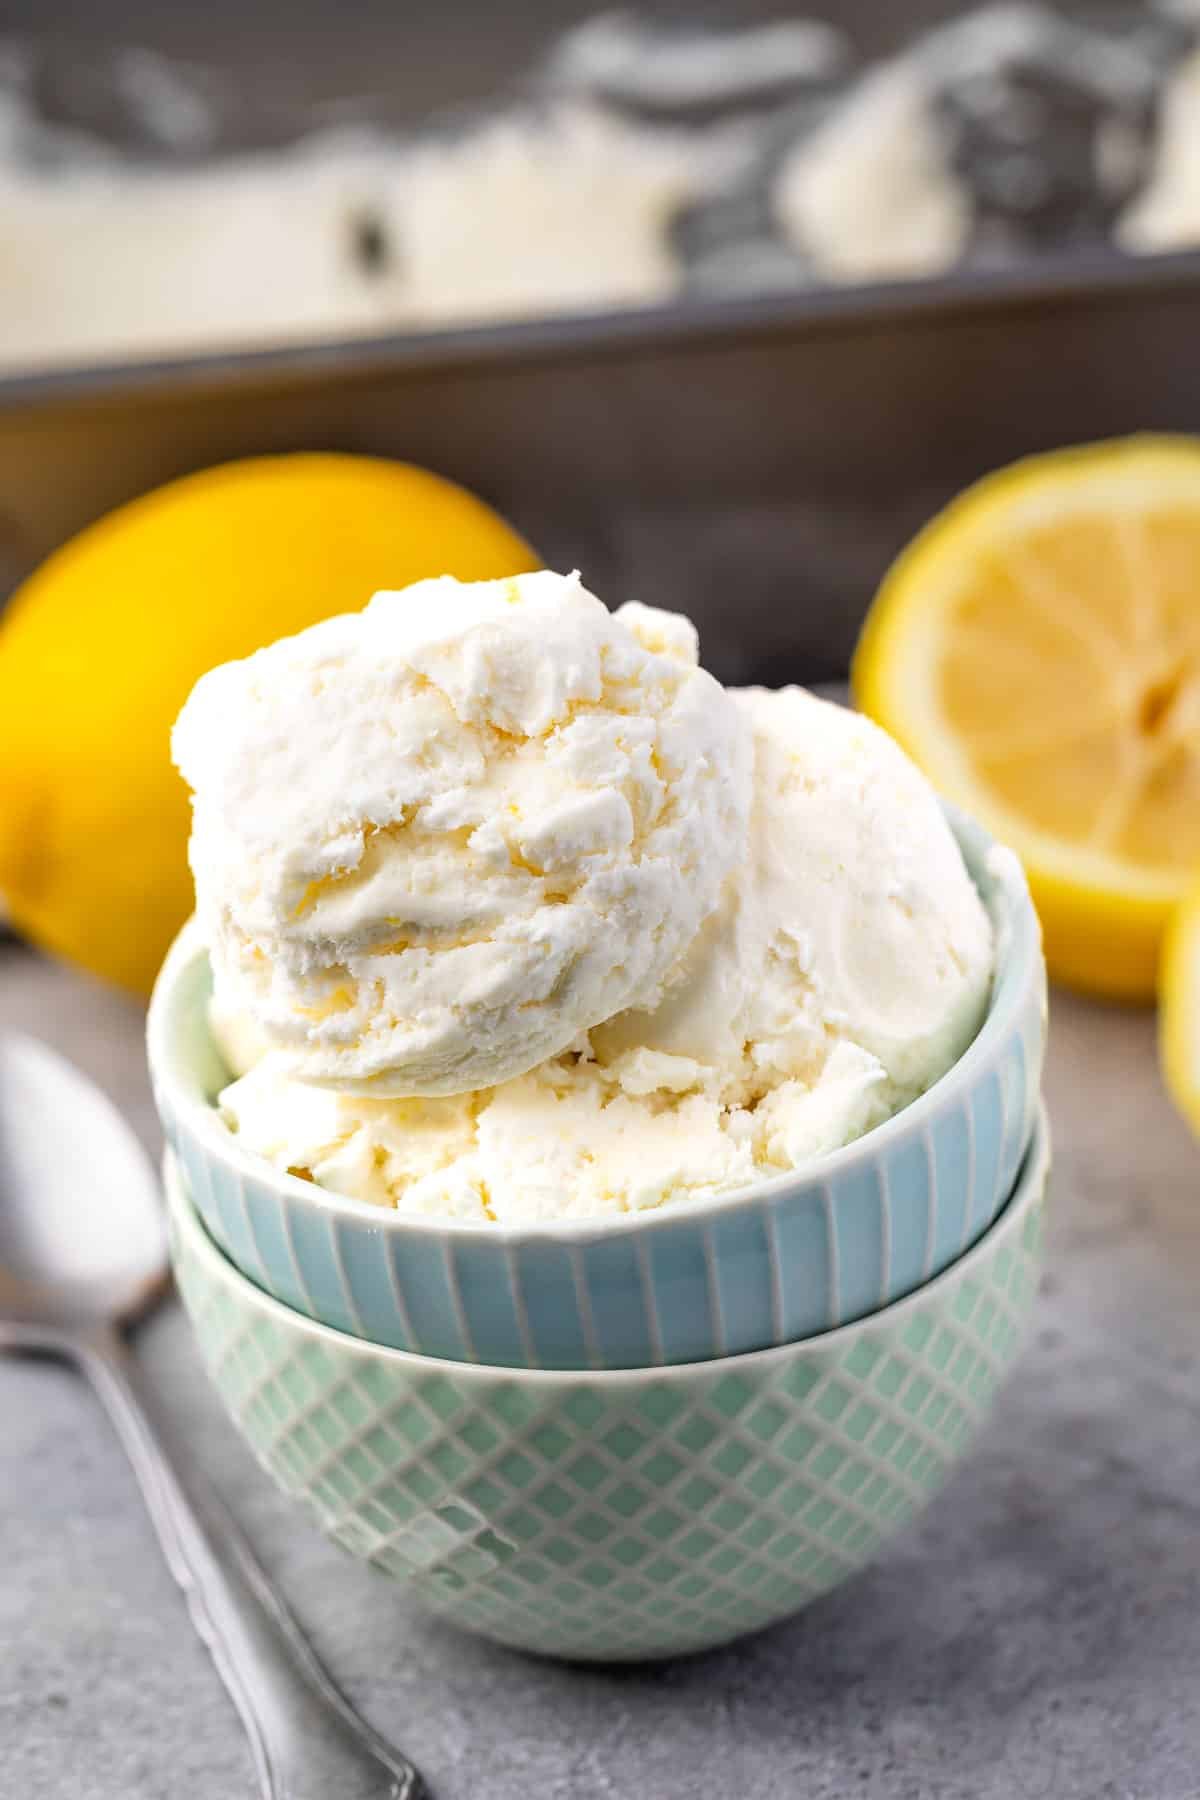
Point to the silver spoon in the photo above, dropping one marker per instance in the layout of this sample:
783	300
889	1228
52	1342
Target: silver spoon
82	1255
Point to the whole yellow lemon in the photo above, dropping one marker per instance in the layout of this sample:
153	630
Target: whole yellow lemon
100	647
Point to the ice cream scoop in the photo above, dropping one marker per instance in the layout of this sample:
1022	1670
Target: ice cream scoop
852	920
847	967
437	840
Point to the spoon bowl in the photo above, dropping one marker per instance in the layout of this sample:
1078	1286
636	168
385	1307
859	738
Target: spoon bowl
82	1238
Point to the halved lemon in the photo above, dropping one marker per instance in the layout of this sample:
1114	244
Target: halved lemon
1179	1017
1036	649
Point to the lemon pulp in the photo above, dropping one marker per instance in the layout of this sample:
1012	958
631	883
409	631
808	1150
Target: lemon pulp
1037	650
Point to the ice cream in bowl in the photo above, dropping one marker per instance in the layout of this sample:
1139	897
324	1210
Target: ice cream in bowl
548	1005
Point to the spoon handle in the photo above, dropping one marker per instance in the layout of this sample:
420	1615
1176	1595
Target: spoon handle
307	1740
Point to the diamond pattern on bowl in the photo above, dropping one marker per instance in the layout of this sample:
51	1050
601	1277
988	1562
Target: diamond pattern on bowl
619	1515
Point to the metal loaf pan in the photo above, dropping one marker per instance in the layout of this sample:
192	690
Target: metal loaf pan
755	463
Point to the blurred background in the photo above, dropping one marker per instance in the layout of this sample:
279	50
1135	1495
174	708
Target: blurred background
718	305
752	290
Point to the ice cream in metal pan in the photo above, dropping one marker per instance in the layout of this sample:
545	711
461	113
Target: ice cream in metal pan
636	166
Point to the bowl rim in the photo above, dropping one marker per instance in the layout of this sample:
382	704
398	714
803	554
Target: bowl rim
1018	960
1029	1191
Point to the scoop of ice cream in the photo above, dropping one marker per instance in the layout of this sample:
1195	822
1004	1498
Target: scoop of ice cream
852	920
436	840
587	195
848	967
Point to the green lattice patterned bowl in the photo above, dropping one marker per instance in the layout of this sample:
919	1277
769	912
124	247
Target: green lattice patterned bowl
625	1513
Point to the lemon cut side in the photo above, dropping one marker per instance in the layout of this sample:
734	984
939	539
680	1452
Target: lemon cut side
1036	649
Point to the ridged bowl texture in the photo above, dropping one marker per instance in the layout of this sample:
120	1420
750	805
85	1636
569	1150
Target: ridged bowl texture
767	1264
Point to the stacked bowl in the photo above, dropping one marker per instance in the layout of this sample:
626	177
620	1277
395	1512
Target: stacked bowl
636	1436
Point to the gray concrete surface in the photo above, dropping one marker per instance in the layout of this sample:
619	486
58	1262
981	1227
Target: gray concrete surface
1035	1636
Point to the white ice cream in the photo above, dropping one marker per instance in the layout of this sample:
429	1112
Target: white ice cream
871	194
854	920
566	209
1166	215
558	201
436	840
115	262
569	212
847	968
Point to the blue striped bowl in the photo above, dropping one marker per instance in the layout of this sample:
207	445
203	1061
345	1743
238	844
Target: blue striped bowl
767	1264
